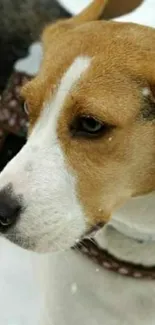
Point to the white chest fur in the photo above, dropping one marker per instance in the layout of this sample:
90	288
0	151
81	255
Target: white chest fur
79	292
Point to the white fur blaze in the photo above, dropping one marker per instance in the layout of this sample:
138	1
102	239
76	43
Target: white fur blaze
52	218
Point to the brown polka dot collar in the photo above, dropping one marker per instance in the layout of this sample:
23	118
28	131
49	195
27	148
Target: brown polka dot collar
91	249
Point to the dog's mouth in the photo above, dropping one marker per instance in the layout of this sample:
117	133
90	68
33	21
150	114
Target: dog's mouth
15	231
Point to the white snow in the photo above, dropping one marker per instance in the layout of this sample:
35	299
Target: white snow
73	288
146	91
20	296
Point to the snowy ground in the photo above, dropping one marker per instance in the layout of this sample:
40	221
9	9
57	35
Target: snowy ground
20	294
19	290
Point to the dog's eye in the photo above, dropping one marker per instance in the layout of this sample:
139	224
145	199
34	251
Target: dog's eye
87	126
90	125
26	108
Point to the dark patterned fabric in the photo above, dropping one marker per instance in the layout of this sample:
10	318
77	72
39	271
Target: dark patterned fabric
21	24
13	119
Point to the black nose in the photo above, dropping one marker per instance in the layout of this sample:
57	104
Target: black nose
9	209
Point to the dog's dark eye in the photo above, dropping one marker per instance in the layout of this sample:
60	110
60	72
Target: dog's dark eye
26	108
87	126
90	125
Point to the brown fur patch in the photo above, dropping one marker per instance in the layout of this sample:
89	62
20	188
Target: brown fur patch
120	164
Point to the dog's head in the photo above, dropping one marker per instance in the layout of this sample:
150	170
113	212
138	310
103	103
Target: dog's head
91	143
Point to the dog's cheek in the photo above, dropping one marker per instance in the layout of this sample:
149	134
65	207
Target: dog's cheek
96	204
100	187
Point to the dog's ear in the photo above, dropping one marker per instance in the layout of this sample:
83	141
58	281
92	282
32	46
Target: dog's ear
139	60
91	13
146	76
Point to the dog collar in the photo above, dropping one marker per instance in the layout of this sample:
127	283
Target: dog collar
92	250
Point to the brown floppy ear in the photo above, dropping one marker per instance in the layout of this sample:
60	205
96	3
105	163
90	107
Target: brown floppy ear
146	75
139	58
91	13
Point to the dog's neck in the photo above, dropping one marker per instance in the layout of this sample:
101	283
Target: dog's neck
130	235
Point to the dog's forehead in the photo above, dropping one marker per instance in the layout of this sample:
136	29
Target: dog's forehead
88	87
107	81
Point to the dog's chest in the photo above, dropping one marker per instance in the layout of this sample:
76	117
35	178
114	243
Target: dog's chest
79	292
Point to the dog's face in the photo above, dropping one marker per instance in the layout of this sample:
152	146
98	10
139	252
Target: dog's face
91	143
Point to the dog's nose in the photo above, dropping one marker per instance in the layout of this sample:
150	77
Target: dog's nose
9	210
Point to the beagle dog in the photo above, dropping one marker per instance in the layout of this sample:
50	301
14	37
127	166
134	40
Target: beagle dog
89	160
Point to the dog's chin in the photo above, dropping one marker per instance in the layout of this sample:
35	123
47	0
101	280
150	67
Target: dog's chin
40	245
43	243
26	243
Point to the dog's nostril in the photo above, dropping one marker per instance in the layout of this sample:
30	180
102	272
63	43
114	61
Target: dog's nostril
8	217
9	209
